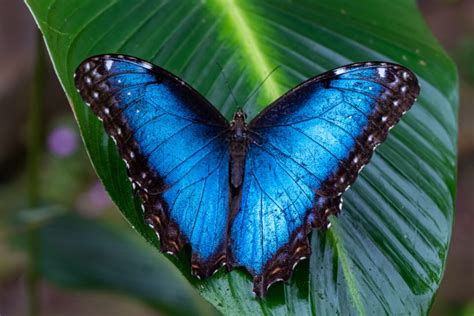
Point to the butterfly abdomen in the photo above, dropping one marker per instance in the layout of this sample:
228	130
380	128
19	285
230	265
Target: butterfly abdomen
237	164
238	147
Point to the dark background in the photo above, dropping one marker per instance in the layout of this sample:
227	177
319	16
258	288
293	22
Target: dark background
70	174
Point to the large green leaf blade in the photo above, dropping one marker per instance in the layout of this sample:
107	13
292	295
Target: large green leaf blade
385	253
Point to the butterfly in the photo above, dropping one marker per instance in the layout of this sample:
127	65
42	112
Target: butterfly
243	194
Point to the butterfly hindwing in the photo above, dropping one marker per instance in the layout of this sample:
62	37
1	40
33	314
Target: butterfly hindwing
308	147
174	145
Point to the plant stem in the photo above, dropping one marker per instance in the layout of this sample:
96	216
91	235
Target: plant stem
33	161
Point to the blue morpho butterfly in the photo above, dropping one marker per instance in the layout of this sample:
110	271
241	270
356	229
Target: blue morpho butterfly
243	194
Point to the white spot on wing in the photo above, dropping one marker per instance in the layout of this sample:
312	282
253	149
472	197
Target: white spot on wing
147	65
95	74
340	71
382	72
126	163
292	268
108	64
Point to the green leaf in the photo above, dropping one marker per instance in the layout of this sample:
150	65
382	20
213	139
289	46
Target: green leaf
91	255
385	253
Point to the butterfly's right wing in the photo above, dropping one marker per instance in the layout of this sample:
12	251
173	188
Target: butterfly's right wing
309	146
174	144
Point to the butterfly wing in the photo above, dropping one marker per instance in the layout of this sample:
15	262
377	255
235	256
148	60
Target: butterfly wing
174	145
308	147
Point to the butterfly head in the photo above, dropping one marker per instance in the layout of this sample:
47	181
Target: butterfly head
239	127
240	115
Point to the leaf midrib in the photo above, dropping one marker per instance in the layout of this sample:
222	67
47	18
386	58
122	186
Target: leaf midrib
250	46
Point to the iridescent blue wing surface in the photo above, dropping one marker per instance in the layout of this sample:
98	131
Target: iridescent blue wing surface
307	149
174	144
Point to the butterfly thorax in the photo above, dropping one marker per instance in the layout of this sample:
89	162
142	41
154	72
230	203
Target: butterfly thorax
238	146
238	128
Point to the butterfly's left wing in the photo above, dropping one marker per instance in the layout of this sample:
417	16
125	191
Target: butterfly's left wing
308	148
174	144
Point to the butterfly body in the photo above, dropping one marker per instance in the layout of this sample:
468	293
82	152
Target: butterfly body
243	194
238	147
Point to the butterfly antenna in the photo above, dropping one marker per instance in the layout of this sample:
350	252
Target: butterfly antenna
260	85
227	83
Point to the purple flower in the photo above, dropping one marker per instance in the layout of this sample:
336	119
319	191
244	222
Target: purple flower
63	141
93	201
